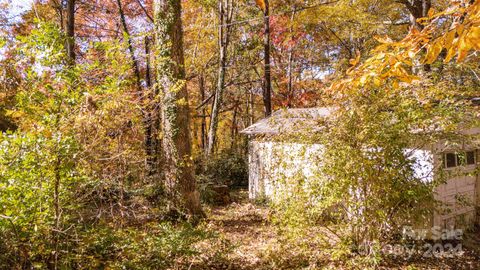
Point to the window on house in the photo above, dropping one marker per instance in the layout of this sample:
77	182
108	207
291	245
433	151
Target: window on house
470	158
451	160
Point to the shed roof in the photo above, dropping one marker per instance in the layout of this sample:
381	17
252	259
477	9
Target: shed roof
290	121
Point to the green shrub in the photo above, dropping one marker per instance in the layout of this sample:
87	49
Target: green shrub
227	168
154	246
37	175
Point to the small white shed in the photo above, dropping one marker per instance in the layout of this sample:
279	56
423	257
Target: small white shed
272	159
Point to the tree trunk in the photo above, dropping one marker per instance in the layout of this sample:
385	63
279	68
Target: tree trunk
204	113
70	31
267	81
59	7
148	69
180	182
152	119
251	117
135	67
57	207
226	13
233	129
290	78
418	9
290	63
147	112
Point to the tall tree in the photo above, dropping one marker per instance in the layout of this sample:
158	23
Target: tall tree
225	9
70	31
57	205
151	117
131	50
267	80
179	175
203	138
147	112
290	60
264	5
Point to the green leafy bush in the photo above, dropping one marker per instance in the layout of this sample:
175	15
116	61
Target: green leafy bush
37	177
154	246
227	168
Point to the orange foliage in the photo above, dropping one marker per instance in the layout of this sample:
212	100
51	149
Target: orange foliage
391	61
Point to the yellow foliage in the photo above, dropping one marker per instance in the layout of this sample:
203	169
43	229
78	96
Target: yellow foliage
261	4
448	39
463	49
473	37
433	52
355	61
15	114
391	60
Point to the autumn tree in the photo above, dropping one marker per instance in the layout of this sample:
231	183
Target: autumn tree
226	9
267	78
179	176
145	94
70	30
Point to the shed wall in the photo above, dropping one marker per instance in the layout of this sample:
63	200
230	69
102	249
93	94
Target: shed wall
459	195
273	164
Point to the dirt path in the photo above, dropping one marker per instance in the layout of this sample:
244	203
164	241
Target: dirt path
249	241
246	227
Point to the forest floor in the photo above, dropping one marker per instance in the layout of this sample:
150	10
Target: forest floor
249	241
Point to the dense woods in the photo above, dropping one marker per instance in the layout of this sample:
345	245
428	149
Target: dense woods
121	120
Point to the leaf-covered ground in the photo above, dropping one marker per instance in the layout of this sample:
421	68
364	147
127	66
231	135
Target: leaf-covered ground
247	240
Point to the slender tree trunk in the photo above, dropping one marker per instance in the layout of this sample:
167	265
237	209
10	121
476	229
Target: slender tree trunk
70	31
248	120
290	78
148	69
59	7
56	204
131	50
233	129
226	13
179	174
70	55
267	81
147	112
290	64
204	113
247	108
251	119
152	119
